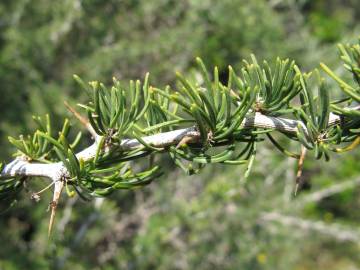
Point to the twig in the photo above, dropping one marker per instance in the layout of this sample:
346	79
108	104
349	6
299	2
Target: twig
327	192
336	231
35	195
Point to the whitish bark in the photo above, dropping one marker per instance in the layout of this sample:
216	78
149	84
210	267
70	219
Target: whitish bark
21	167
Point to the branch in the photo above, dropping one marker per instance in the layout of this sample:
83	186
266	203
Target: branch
327	192
336	231
21	167
57	172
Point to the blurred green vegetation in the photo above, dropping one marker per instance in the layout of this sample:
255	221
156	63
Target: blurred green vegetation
208	221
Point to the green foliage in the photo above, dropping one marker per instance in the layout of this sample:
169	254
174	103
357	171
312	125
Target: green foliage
206	221
34	147
9	188
350	54
43	44
328	20
37	147
277	88
218	112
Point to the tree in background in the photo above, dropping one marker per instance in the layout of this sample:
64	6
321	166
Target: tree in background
51	68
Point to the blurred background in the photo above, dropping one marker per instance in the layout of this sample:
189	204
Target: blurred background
207	221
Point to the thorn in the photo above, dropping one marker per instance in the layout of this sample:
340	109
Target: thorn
82	119
298	180
296	189
53	204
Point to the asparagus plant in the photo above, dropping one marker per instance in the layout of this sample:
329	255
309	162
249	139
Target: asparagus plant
195	124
